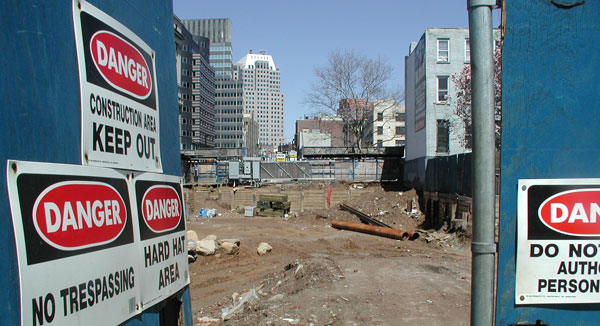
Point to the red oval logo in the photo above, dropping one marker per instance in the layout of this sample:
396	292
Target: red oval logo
573	212
161	208
74	215
121	64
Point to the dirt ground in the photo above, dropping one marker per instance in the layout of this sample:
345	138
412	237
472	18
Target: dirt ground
318	275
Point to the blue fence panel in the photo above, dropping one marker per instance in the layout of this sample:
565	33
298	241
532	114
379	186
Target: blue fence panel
40	101
551	60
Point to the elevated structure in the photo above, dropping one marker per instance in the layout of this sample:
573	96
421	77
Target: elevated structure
341	152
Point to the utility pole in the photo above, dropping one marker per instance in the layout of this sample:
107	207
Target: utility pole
483	247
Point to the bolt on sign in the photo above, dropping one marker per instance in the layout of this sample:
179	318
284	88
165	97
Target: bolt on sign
119	96
95	245
558	241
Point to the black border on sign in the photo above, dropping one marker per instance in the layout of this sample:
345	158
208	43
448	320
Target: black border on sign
89	26
31	185
140	189
536	229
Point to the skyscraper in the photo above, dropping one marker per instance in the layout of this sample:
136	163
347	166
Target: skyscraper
218	31
262	95
203	98
196	90
228	91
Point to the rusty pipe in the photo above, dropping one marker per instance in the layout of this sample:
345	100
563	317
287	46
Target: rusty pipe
412	235
375	230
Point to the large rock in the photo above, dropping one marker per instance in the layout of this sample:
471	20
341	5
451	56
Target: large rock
234	241
191	245
192	235
263	248
229	248
206	247
210	237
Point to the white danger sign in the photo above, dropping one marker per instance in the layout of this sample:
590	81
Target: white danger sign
119	96
74	234
558	241
163	255
94	245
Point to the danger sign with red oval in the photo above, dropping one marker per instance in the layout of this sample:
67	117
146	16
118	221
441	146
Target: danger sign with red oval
121	64
120	119
161	208
573	212
74	215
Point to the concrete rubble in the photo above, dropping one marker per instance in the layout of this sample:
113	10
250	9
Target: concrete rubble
239	301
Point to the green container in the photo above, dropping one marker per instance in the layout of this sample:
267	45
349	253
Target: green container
273	197
263	204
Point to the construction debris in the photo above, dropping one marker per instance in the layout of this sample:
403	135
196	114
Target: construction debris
207	321
439	237
238	303
273	205
362	216
375	230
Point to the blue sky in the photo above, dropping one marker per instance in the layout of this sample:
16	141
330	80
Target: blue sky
301	34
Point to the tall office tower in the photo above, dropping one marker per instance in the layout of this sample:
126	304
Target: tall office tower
262	95
203	97
184	48
196	90
218	31
228	91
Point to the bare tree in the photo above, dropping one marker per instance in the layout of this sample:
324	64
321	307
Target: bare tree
462	99
351	86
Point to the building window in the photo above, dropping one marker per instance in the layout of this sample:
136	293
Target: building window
442	88
467	50
399	142
379	116
380	143
468	136
443	50
380	130
443	136
400	116
400	130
